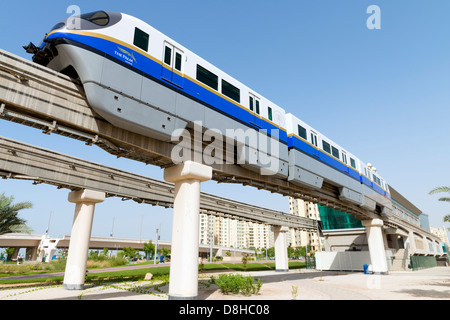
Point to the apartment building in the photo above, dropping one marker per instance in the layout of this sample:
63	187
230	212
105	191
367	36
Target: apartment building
299	238
233	233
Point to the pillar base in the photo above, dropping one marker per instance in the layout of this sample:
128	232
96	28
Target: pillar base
380	273
282	270
180	298
73	286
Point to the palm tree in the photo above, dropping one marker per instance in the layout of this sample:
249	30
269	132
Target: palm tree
446	199
9	220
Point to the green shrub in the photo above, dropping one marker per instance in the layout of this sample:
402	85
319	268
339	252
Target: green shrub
235	283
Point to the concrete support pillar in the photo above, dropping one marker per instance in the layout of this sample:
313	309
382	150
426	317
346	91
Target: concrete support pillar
376	245
281	256
412	243
426	247
185	228
75	272
31	253
15	254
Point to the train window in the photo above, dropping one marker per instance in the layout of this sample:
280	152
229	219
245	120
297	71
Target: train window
376	180
168	56
231	91
326	147
270	113
314	138
302	132
344	157
100	18
207	77
58	26
141	39
353	163
254	104
335	152
178	61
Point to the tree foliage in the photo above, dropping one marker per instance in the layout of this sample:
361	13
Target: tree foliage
9	211
445	199
441	190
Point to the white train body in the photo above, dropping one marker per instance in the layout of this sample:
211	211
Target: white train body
137	78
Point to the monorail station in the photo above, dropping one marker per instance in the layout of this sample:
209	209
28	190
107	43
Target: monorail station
117	83
408	242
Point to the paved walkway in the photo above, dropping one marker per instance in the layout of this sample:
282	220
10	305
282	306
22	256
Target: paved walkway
429	284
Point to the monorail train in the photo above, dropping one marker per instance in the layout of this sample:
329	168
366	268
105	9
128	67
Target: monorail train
140	80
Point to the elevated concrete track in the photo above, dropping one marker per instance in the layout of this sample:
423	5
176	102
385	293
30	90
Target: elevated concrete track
22	161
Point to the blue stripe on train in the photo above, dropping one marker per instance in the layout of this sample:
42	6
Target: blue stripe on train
154	69
294	142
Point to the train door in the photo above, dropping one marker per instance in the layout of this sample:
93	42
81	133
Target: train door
172	67
314	142
344	160
255	108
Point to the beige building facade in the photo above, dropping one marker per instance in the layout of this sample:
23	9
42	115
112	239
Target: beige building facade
232	233
298	238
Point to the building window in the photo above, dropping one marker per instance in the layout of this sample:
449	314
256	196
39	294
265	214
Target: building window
141	39
231	91
301	132
207	77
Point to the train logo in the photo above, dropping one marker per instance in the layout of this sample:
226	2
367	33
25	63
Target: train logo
127	56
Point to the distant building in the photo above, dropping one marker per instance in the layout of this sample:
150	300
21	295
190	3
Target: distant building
441	233
298	238
228	232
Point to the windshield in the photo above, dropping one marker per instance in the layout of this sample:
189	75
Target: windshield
100	18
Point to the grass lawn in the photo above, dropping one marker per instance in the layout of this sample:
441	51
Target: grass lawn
139	274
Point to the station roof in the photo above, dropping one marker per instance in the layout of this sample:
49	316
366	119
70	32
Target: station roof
397	197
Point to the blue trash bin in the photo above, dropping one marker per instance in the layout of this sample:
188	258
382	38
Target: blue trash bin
366	269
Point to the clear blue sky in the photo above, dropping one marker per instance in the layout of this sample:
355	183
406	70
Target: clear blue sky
381	94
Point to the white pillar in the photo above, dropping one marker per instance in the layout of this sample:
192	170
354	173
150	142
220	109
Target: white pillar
185	229
376	245
412	243
75	272
281	256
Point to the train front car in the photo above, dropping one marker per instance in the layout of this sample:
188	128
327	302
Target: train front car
107	51
140	80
